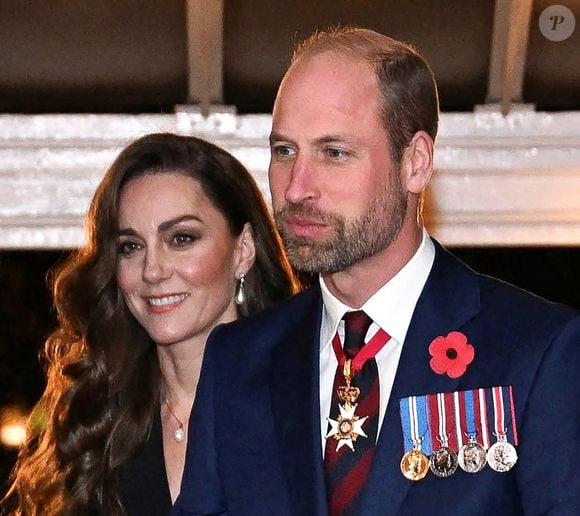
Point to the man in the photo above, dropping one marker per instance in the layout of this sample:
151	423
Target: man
461	397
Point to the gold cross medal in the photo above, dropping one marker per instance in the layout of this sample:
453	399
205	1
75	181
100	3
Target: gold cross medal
347	427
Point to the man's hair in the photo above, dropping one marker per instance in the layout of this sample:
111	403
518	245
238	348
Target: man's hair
406	82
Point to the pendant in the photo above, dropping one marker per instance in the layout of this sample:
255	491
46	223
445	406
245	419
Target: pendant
347	427
179	434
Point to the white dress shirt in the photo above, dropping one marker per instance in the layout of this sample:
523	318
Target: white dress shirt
391	308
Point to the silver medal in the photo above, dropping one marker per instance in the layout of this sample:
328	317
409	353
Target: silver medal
472	457
501	456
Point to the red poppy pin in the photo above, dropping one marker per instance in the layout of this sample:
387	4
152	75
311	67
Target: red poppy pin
451	355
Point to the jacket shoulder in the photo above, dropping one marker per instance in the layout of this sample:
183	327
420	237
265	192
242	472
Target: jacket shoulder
511	302
268	326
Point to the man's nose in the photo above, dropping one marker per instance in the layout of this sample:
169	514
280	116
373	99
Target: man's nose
302	183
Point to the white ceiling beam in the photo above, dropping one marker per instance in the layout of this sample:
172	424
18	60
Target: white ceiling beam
50	166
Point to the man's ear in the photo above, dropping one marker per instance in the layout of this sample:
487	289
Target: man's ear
245	251
418	162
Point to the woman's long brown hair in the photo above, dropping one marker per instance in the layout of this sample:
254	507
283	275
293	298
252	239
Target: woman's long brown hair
103	377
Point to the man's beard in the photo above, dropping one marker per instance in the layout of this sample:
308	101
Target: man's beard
351	240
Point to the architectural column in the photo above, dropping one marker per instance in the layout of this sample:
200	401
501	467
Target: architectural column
509	45
205	53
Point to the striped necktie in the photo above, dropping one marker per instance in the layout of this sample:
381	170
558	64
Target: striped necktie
347	469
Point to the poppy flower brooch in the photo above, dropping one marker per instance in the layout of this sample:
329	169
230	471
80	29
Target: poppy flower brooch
451	355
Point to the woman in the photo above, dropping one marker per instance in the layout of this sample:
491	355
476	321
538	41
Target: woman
179	240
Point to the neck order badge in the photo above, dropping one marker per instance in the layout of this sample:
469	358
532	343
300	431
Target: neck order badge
350	442
347	427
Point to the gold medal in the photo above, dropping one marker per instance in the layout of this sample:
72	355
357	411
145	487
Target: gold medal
414	465
415	462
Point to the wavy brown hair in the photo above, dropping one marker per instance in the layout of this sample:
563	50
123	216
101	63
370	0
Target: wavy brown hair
103	376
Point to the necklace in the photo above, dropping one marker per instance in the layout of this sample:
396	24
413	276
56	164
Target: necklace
179	433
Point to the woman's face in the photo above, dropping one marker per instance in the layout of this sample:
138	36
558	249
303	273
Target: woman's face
177	261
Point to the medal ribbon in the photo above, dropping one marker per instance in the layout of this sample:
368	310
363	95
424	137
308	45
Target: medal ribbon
367	352
513	413
442	419
481	398
470	427
499	413
415	425
503	398
459	419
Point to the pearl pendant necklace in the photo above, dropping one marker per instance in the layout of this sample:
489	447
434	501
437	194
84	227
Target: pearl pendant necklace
179	434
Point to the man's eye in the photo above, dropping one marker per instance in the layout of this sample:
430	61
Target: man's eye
283	151
334	153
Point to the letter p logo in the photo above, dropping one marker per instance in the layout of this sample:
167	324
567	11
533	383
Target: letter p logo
557	23
556	20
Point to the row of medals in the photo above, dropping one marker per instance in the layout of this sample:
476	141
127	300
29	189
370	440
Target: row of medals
415	465
471	458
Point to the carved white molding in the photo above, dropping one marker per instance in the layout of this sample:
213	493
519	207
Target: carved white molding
511	180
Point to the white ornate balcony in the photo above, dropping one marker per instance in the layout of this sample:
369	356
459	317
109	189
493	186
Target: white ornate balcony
505	181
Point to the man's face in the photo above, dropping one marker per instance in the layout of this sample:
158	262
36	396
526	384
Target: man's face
338	198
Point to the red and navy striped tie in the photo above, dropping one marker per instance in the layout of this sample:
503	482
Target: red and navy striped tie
347	470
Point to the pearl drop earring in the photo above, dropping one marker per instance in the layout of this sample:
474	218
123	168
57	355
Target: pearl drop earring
240	294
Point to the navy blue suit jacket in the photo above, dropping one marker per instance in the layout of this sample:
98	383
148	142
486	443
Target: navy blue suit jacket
254	434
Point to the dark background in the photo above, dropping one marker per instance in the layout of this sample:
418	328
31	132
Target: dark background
131	55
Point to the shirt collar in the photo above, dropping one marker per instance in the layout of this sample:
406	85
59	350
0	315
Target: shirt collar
392	306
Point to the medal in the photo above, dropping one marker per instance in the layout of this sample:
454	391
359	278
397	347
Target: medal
415	461
347	427
502	455
414	465
443	461
471	456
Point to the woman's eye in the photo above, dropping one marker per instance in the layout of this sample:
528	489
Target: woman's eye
127	248
182	239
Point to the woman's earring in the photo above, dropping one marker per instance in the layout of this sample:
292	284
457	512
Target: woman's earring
240	294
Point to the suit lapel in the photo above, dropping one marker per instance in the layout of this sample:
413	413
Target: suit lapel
449	299
295	405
